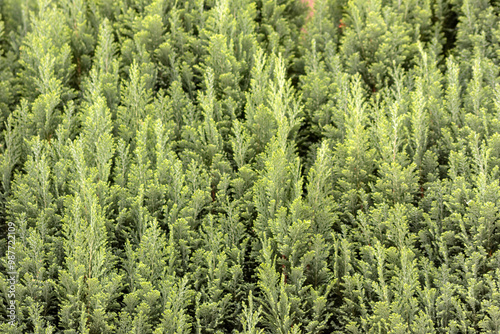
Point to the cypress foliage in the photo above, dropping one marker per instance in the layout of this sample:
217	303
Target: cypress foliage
240	166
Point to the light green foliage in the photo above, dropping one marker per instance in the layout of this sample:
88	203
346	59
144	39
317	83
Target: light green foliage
250	166
46	56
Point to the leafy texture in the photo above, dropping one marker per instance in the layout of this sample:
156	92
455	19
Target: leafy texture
250	166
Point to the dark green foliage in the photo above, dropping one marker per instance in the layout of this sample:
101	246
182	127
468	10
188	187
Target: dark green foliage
241	166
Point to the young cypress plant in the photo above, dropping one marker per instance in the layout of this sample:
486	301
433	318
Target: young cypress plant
89	282
14	147
317	88
354	156
145	266
277	305
176	298
373	39
475	17
258	118
37	241
82	36
107	65
46	63
323	25
250	318
320	193
135	103
279	28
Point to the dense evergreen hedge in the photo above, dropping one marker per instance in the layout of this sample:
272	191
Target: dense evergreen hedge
241	166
